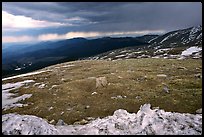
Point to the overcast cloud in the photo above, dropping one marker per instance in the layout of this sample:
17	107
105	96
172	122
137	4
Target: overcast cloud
101	18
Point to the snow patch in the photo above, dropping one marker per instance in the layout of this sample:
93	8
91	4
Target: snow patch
66	66
8	101
41	86
23	75
18	69
145	122
120	56
171	35
190	51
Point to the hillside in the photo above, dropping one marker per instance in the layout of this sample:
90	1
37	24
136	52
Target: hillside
81	91
36	56
170	45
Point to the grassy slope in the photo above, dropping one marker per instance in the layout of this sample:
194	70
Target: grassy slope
137	77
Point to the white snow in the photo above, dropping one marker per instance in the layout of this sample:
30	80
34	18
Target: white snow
171	35
152	39
199	36
190	51
160	50
120	56
156	57
193	31
41	86
8	100
23	75
67	66
138	52
18	69
145	122
26	125
123	51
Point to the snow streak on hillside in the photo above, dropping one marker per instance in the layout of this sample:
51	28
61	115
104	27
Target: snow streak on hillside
145	122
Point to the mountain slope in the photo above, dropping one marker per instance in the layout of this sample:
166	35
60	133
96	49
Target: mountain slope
185	37
170	45
44	54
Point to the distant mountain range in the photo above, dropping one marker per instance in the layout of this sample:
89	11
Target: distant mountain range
24	58
170	45
18	59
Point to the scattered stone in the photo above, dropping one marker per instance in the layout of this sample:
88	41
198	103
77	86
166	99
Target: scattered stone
182	68
199	111
63	79
155	108
62	113
94	93
137	97
53	86
90	118
50	108
52	121
129	71
165	88
120	77
36	84
87	107
101	82
198	75
41	86
118	97
82	122
60	123
162	75
91	77
69	109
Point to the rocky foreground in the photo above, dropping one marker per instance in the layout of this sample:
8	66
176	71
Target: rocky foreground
145	122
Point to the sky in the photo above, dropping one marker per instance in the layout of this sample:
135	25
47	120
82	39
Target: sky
45	21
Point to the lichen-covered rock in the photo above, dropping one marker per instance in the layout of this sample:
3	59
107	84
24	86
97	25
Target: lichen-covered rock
101	82
199	111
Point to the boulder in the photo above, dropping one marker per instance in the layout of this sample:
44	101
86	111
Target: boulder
60	123
199	111
101	82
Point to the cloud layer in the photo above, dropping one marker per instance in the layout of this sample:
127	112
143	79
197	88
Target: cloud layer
59	18
69	35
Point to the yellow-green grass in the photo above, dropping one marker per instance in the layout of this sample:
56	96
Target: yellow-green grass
134	78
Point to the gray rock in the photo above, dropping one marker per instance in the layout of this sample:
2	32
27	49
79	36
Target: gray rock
52	121
198	75
82	122
182	68
199	111
60	123
161	75
165	88
101	82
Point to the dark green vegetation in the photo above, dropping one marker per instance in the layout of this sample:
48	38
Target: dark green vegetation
134	80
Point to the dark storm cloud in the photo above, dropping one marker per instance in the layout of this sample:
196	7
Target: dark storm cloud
120	16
